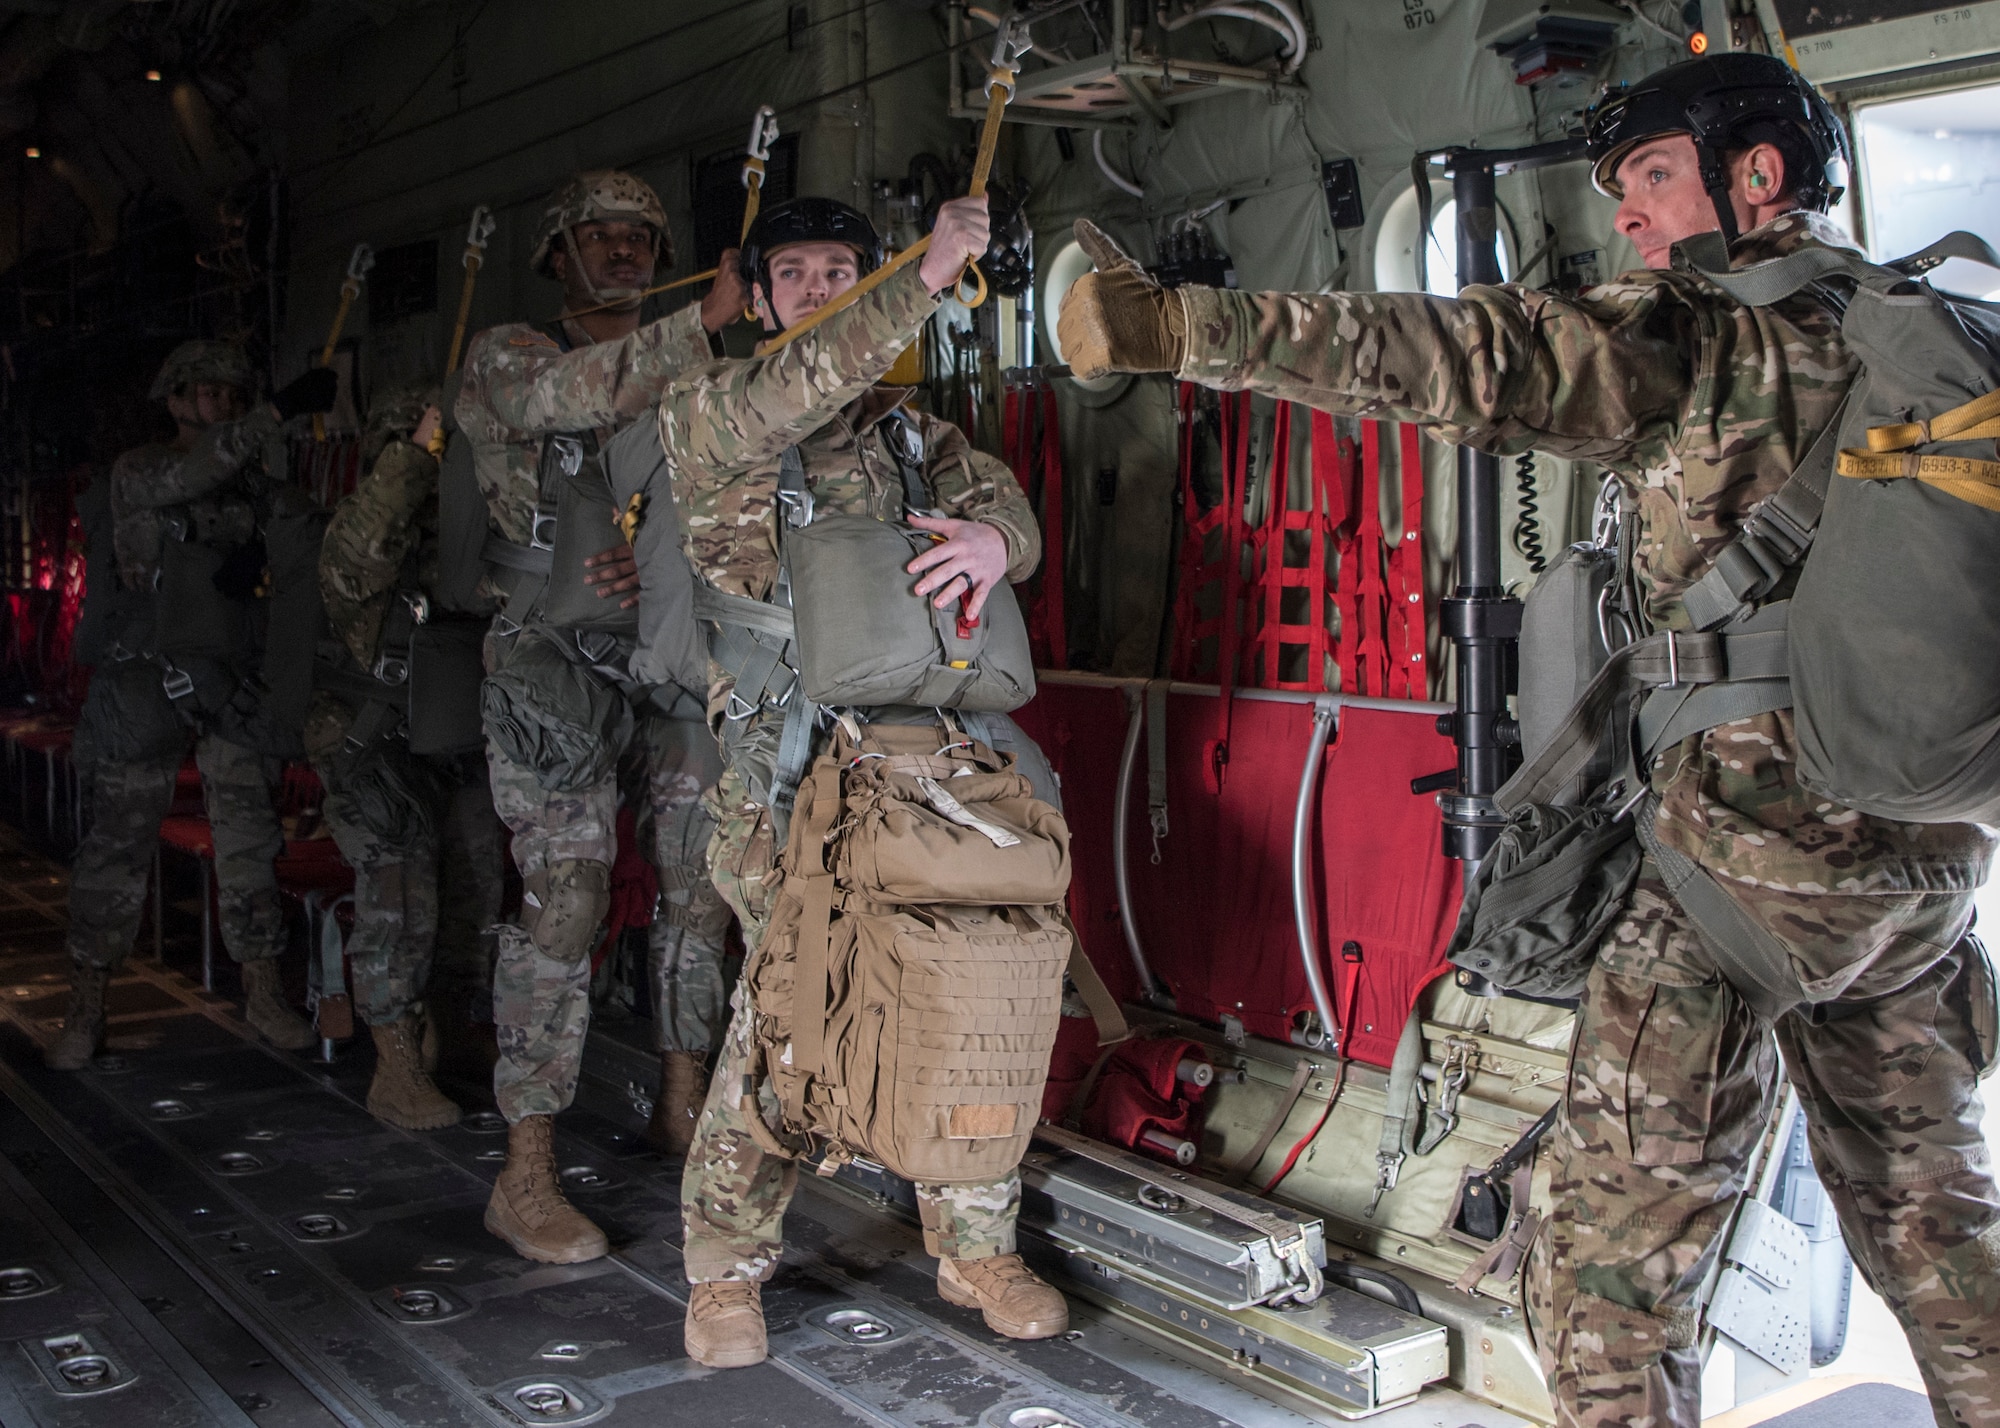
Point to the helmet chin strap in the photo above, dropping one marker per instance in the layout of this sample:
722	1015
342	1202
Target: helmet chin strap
1715	178
606	299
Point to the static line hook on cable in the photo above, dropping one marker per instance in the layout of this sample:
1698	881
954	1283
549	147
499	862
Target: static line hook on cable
477	234
763	134
1009	46
358	264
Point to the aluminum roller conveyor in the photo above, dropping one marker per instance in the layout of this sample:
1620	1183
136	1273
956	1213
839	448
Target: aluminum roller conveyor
200	1230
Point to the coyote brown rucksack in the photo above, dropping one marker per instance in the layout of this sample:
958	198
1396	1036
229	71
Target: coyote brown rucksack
908	989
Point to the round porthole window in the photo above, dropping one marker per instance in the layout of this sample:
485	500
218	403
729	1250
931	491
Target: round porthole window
1396	244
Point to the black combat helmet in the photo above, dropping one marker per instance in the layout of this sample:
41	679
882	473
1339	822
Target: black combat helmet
1724	103
807	220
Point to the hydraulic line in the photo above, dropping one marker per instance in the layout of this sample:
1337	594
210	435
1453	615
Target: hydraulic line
1118	180
1286	24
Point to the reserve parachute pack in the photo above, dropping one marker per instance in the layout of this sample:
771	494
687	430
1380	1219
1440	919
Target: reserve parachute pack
907	992
843	628
564	699
1883	649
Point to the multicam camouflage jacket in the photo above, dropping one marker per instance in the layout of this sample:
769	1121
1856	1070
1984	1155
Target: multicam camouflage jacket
386	527
520	386
148	481
725	425
1701	406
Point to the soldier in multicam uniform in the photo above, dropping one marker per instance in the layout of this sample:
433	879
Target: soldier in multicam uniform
724	429
206	485
587	376
418	831
1701	406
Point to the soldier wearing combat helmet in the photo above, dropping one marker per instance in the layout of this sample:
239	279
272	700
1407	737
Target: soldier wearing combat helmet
859	448
1701	406
186	516
537	404
415	822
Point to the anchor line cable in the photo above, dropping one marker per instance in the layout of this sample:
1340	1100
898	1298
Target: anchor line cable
680	145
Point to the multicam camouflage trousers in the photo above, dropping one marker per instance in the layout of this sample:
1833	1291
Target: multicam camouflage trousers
1672	1082
107	892
541	1003
733	1194
424	905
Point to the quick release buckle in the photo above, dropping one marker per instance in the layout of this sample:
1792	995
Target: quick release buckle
1388	1168
798	508
542	529
419	605
569	453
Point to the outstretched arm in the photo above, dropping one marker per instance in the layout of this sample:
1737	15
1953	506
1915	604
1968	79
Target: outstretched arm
1605	376
529	384
218	455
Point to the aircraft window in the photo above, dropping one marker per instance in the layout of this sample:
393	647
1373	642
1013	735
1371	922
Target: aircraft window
1927	166
1395	244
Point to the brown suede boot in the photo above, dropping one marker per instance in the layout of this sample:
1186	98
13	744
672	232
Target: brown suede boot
724	1327
1015	1300
528	1210
683	1088
402	1092
83	1024
265	1008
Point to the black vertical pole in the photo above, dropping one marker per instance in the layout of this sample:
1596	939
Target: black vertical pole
1481	619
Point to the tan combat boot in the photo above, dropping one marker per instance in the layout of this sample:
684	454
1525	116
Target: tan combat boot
83	1024
265	1008
1014	1299
528	1210
725	1324
402	1092
682	1090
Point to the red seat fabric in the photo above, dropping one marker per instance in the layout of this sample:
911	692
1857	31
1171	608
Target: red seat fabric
1215	913
185	833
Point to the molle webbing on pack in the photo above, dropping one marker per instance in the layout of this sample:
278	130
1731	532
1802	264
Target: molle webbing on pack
908	991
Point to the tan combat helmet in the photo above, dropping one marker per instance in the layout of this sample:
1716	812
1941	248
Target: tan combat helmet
203	361
600	194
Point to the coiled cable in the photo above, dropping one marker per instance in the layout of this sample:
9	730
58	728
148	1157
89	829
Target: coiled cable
1528	524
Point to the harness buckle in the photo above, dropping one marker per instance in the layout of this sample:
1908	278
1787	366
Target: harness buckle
542	530
569	453
178	683
736	708
419	605
391	668
1388	1168
1673	660
798	508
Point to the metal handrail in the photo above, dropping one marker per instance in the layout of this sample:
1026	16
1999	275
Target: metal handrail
1128	759
1302	907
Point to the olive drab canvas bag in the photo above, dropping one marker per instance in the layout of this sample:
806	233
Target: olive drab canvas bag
908	990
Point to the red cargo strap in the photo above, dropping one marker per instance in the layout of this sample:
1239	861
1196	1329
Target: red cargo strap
1324	496
1364	654
1225	572
1408	667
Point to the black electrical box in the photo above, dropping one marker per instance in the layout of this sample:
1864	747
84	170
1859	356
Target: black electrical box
1341	178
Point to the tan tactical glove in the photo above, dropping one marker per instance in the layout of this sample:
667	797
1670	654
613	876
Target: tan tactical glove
1118	319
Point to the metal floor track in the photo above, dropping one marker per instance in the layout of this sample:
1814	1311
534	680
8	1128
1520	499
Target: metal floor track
200	1229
